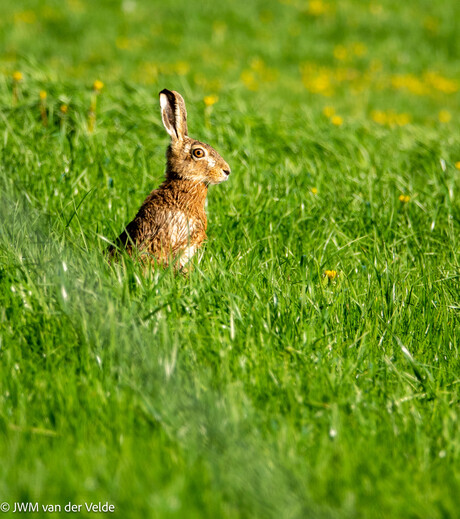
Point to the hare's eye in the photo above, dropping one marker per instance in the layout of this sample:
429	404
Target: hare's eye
198	153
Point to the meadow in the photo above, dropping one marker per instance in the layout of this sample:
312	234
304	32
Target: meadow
308	367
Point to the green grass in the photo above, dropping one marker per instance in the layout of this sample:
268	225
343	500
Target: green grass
254	387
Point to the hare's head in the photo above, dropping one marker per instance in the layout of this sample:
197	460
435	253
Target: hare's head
187	158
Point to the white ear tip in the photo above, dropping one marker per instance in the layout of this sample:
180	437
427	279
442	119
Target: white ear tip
163	101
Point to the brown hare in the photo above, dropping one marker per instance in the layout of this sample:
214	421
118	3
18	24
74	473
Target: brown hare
171	224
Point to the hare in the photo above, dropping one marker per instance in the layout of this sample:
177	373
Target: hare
171	224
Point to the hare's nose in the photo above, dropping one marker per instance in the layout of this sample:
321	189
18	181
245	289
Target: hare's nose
226	171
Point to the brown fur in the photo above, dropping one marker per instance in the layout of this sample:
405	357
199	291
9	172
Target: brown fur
171	223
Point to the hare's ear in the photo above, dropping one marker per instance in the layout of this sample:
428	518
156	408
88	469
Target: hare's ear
174	114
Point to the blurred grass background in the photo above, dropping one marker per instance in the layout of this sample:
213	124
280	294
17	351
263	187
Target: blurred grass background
398	53
256	387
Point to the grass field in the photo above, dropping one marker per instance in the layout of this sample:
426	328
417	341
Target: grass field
258	386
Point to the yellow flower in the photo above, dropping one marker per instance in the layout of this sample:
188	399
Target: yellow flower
402	119
457	164
328	111
330	274
404	199
64	109
317	7
314	190
441	83
210	100
318	80
340	52
43	95
17	76
25	17
444	116
249	80
411	83
337	120
98	85
379	116
182	68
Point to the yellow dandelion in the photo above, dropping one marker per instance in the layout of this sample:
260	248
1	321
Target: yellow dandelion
457	164
402	119
404	199
444	116
441	83
330	274
249	80
64	109
379	116
411	83
210	100
317	7
340	52
314	190
43	113
321	83
328	111
17	78
98	85
25	17
318	80
337	120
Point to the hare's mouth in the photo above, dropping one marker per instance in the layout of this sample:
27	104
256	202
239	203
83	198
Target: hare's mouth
219	177
225	175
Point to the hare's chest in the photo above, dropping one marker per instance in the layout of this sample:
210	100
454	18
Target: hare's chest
184	229
187	253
